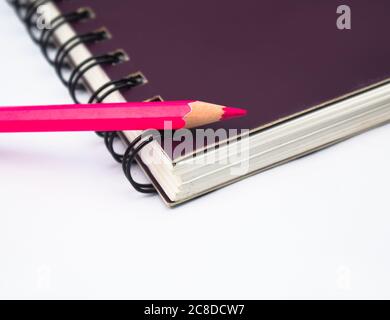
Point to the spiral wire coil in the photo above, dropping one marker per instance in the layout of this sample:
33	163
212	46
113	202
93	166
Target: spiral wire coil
27	12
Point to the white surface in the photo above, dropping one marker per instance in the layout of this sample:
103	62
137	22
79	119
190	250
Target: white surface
72	227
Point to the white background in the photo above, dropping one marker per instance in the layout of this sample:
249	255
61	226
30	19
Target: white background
72	227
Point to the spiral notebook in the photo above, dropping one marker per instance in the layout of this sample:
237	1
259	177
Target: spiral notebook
310	73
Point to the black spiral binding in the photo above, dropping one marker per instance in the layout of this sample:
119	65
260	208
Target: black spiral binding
27	11
72	43
46	41
78	73
128	160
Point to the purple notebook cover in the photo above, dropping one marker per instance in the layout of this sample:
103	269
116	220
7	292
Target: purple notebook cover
277	58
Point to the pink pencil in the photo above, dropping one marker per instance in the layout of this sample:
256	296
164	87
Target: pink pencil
113	116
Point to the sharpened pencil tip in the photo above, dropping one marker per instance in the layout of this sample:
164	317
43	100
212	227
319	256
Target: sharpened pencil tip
203	113
229	113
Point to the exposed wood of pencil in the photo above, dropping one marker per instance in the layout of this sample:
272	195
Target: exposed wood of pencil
113	116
